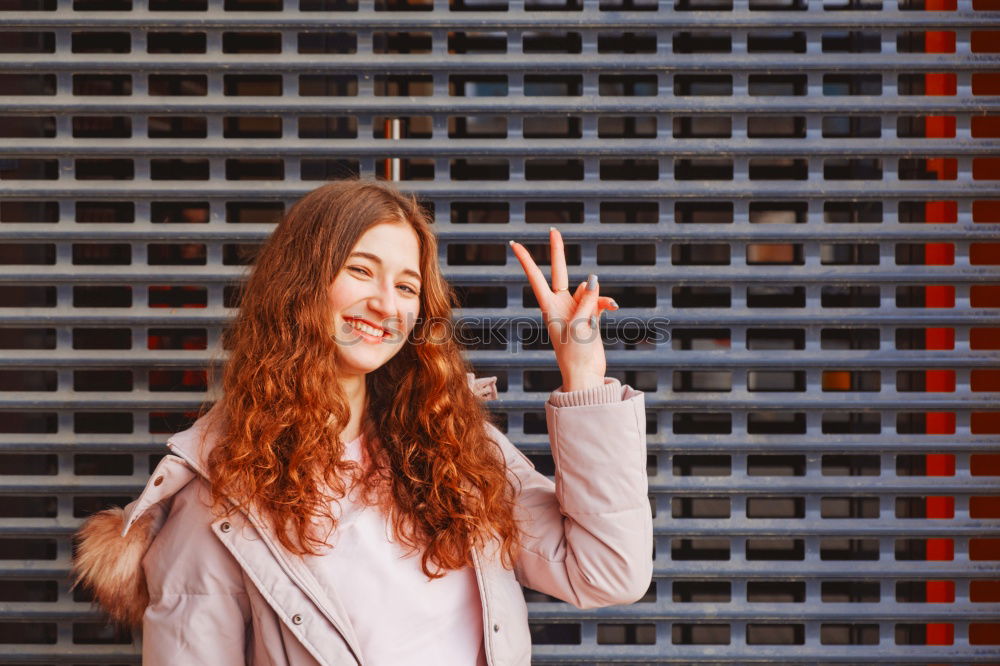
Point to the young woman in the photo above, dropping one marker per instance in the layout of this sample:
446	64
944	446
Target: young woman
347	500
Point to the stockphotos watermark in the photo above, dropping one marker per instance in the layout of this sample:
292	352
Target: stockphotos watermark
498	331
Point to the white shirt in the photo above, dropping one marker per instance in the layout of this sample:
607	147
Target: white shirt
399	615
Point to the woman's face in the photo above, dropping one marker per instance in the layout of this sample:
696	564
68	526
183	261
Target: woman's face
378	287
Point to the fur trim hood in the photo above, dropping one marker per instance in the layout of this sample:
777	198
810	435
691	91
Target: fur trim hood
111	544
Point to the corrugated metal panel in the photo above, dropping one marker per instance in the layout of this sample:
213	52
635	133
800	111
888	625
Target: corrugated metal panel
794	203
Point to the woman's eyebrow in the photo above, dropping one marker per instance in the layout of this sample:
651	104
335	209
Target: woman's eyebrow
369	255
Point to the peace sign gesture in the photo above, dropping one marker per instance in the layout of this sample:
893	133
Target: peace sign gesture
571	318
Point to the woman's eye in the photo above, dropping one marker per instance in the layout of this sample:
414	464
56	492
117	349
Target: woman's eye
358	268
409	288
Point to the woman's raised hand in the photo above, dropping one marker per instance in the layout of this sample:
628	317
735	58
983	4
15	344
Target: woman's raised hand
571	317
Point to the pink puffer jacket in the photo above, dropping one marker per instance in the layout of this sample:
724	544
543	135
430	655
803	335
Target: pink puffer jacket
221	591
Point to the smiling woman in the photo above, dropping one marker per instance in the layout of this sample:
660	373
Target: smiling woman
348	500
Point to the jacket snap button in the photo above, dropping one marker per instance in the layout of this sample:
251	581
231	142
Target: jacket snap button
496	627
296	619
158	481
225	527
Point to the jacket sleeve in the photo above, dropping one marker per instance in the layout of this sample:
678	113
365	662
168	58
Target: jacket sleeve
588	536
198	609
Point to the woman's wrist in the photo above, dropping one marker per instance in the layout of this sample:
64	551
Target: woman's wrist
581	382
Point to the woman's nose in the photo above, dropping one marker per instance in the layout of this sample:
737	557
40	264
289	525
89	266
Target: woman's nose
383	300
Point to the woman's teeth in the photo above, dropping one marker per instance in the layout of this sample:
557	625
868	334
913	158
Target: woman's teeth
361	326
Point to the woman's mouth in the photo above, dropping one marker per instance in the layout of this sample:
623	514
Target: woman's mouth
367	332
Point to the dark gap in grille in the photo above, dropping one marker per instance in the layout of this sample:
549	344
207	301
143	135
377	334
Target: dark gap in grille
699	507
477	85
779	549
255	169
852	41
480	212
701	465
251	127
102	296
468	127
776	465
328	127
847	549
555	85
776	423
702	42
30	84
28	42
104	254
702	591
401	42
27	254
101	42
102	338
849	634
849	296
104	169
477	42
335	169
700	254
29	169
850	591
626	634
409	127
626	85
700	297
252	85
775	297
684	633
550	169
551	42
702	423
630	212
251	42
852	465
849	507
109	127
554	634
178	84
702	127
26	463
776	42
702	84
27	338
626	42
102	380
852	84
177	127
695	549
551	127
27	127
176	42
98	464
326	85
776	591
179	169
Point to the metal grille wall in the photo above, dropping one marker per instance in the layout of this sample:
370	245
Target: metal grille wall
802	195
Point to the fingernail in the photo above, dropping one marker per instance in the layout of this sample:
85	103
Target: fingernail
552	228
593	321
613	304
591	282
511	243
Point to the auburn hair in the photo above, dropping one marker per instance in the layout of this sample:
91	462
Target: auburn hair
433	470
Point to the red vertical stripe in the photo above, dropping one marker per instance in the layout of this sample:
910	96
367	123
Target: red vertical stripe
938	423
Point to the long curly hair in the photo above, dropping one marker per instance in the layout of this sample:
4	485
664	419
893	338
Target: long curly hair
440	480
